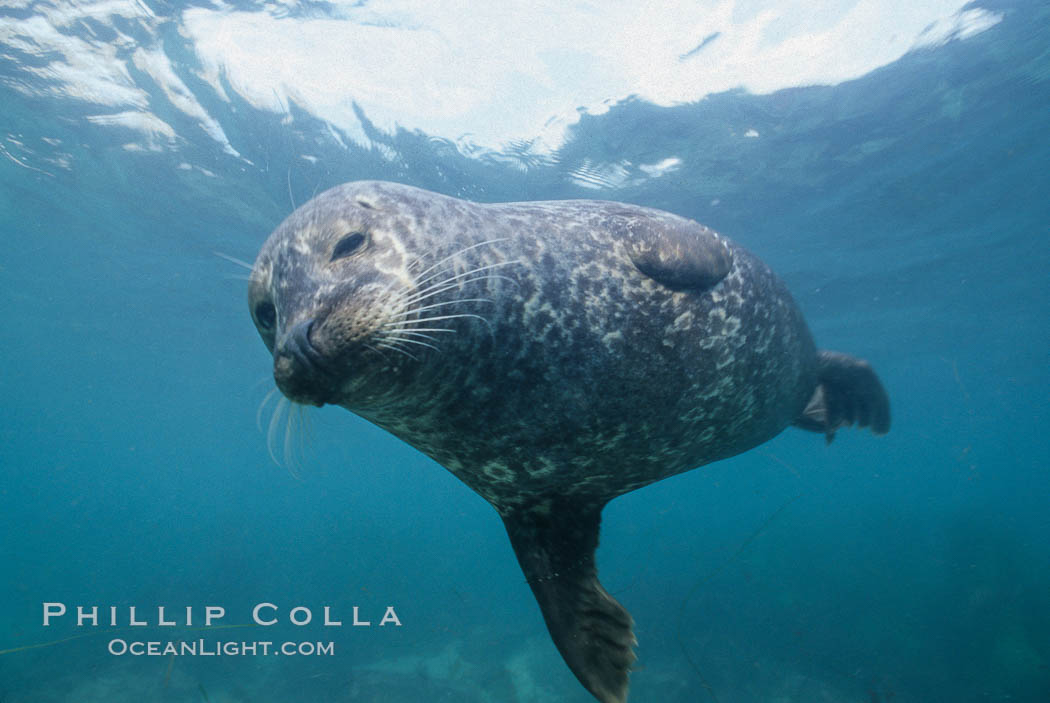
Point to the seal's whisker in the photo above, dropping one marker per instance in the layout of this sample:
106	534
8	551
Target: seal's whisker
465	274
396	323
407	306
292	422
408	301
479	269
394	339
289	178
237	278
271	433
451	286
391	345
262	406
387	288
423	329
406	340
418	260
268	378
401	334
377	351
305	436
423	289
438	305
453	255
396	281
233	260
410	337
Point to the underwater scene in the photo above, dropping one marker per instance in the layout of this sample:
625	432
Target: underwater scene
187	515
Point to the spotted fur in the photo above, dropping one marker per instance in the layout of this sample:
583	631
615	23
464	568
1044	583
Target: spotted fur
564	353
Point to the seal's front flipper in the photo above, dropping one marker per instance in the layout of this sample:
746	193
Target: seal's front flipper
673	251
848	392
555	540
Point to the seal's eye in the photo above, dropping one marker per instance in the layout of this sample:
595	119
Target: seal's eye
348	245
266	315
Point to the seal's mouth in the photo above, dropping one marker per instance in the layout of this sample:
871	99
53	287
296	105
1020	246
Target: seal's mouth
303	373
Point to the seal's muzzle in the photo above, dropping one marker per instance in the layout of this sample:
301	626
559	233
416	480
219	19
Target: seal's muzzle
299	369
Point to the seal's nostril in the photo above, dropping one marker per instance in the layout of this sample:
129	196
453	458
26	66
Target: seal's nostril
299	345
301	371
300	334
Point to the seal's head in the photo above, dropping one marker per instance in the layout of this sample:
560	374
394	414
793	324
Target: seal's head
328	292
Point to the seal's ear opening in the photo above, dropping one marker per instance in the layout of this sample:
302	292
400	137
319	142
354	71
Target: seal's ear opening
848	392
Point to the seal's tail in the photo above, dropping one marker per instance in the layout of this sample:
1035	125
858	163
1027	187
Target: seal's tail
848	392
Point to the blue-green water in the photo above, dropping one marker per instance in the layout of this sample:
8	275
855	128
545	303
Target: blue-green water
908	211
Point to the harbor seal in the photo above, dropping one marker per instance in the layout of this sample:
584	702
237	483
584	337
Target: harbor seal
552	356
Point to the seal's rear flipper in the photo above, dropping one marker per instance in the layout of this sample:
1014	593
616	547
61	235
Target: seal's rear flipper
848	392
555	541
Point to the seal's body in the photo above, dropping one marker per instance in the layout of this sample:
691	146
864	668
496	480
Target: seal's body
553	356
